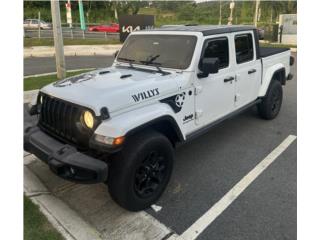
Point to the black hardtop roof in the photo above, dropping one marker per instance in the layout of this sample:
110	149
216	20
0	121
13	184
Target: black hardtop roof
205	29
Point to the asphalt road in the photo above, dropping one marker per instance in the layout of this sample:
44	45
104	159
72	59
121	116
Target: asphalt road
208	167
37	65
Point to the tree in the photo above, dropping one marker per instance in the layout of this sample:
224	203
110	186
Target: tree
247	11
186	12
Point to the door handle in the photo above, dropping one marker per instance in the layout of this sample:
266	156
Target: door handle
252	71
228	79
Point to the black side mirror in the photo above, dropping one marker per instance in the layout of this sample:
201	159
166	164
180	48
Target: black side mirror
208	66
116	54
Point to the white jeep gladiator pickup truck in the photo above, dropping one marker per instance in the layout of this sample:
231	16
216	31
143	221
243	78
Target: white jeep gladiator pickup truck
119	125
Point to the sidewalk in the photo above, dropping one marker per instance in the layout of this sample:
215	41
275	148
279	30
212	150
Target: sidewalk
85	212
72	50
29	95
64	220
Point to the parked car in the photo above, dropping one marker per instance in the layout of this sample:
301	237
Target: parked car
112	28
120	125
34	24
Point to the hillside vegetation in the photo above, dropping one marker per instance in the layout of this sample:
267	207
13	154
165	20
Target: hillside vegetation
166	12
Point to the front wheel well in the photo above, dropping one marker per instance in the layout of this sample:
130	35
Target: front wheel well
164	125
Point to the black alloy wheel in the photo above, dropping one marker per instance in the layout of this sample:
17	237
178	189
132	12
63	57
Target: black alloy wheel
139	174
276	101
150	174
270	106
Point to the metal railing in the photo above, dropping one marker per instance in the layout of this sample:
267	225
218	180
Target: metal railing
71	33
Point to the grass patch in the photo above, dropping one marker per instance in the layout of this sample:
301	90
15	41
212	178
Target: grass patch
39	82
36	225
32	42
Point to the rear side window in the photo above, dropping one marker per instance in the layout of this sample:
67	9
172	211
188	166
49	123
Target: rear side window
244	48
217	48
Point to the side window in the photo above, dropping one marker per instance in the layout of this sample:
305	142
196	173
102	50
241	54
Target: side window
244	48
217	48
34	21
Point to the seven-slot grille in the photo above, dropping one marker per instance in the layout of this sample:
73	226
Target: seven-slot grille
60	118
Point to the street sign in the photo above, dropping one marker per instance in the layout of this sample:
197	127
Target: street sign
82	21
131	23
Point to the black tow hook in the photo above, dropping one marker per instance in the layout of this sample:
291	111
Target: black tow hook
61	169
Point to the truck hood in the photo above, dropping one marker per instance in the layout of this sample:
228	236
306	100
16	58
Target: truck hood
116	88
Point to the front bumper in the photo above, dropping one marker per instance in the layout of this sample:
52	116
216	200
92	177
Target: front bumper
63	159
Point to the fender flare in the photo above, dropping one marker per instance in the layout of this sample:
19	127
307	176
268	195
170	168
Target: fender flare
269	76
163	119
157	115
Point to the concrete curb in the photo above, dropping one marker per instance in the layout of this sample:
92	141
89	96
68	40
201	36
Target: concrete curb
73	50
65	220
51	73
110	223
29	95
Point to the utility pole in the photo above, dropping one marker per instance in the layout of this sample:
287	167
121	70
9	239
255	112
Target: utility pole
256	15
58	39
69	14
39	25
232	4
220	12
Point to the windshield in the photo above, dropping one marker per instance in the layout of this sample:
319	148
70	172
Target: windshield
169	51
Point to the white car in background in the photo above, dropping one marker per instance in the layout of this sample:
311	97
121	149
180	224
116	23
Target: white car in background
34	24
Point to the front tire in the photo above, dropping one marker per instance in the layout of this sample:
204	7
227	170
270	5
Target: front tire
270	106
141	171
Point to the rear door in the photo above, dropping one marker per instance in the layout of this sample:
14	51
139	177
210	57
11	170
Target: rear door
215	93
247	68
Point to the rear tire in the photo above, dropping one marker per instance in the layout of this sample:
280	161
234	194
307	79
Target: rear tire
141	171
270	106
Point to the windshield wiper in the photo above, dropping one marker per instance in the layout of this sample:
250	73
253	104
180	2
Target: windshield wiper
128	60
157	65
161	71
147	62
150	59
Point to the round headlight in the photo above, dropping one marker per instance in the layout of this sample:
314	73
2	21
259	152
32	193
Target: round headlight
88	119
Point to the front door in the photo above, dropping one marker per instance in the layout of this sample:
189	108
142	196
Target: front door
215	93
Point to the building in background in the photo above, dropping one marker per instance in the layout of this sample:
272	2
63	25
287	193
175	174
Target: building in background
288	28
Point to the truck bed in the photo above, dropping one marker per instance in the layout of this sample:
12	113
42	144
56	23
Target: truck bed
273	59
268	51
